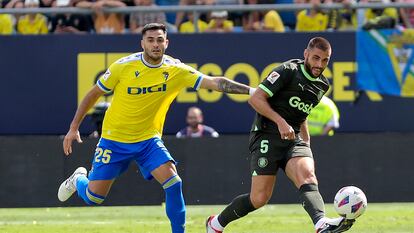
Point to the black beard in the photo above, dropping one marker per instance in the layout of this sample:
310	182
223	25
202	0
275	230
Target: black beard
308	69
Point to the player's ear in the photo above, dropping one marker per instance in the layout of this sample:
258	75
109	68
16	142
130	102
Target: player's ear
305	53
142	44
166	43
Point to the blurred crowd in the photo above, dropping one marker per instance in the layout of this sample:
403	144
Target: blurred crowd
315	19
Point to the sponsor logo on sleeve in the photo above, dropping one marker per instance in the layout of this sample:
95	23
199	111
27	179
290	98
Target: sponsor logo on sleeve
107	74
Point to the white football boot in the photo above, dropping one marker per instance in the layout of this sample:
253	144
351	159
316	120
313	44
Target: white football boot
68	187
335	225
209	228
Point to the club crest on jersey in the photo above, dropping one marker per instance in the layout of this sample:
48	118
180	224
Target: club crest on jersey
166	74
136	74
107	74
272	77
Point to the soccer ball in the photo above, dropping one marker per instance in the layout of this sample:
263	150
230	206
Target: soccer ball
350	202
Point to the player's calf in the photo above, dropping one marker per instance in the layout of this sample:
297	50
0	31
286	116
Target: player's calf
174	203
86	194
91	198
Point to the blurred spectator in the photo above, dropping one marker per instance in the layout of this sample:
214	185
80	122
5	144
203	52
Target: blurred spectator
170	15
311	20
324	118
255	20
32	23
180	15
342	19
250	18
188	26
12	4
380	18
288	17
407	15
97	117
234	16
219	22
195	128
6	24
70	23
271	22
105	23
139	19
373	13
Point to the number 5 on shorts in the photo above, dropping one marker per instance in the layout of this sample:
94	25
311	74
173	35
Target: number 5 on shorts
264	146
103	156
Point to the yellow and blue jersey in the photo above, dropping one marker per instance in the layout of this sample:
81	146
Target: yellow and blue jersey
142	95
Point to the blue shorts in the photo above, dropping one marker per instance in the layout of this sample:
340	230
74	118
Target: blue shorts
112	158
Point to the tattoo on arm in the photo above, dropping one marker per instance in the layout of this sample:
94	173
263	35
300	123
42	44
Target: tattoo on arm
232	87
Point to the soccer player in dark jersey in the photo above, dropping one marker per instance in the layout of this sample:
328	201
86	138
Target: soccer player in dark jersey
280	139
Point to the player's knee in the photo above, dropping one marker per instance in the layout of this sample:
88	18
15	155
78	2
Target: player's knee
93	198
305	176
259	199
309	177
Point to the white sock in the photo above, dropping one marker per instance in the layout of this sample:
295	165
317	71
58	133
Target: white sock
215	224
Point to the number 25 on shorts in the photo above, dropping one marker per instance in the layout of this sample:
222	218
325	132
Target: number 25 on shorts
103	156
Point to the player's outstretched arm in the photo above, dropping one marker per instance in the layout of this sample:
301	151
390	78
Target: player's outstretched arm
224	84
87	103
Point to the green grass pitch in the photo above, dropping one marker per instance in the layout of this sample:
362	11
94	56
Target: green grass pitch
390	217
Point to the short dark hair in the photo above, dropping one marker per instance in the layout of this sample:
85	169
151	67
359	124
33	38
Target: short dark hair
320	43
153	26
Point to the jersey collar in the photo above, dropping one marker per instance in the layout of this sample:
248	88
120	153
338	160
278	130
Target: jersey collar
307	75
151	65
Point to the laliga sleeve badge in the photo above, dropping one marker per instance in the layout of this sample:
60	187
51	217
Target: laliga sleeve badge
272	77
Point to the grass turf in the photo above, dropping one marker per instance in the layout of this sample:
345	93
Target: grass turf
388	217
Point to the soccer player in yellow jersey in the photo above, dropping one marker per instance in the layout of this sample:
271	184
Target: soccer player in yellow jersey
144	86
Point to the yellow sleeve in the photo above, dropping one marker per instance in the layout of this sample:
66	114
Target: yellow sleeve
228	24
186	28
369	14
273	21
324	22
110	78
202	26
7	27
44	29
211	24
20	26
190	76
391	12
300	18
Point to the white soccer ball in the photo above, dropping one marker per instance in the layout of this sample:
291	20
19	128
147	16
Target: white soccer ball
350	202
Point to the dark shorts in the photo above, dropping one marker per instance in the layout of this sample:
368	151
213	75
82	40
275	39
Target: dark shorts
269	152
